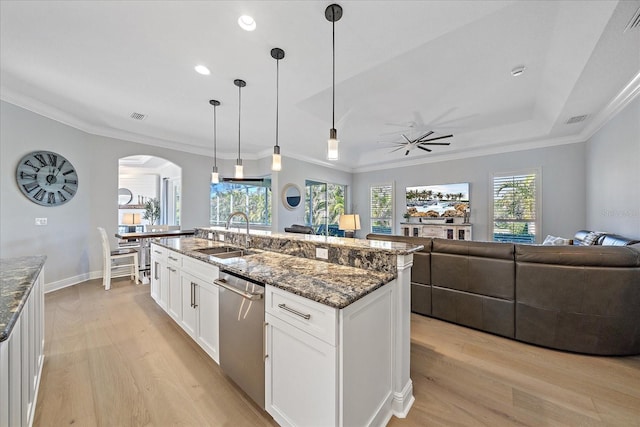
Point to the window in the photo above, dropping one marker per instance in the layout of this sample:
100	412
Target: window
252	198
381	208
515	207
324	203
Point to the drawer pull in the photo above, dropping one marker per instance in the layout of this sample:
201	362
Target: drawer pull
296	312
158	252
172	258
173	270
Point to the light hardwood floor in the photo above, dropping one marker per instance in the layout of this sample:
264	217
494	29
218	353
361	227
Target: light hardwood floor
116	359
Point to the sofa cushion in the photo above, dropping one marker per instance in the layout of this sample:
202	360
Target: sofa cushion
592	238
593	256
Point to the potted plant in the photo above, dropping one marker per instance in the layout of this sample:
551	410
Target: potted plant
407	216
152	210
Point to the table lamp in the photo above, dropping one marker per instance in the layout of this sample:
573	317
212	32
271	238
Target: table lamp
349	223
131	219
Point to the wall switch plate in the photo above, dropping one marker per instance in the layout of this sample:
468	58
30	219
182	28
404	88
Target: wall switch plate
322	253
41	221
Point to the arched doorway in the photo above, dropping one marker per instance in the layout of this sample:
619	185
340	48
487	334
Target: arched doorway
149	192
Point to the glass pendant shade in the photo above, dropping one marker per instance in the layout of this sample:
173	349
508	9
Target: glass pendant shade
215	177
276	160
239	170
332	145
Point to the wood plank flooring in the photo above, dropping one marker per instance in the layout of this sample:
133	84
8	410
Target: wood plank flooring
116	359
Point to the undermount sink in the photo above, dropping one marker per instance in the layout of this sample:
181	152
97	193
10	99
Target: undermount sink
224	252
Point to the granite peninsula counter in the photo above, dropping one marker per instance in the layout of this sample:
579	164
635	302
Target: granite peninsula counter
328	283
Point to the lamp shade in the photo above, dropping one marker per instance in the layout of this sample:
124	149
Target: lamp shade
349	222
131	218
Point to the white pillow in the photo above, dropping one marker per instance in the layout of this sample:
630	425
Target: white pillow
555	241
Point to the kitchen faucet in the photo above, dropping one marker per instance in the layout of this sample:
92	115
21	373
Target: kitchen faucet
246	218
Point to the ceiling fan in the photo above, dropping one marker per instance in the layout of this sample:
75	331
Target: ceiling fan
421	142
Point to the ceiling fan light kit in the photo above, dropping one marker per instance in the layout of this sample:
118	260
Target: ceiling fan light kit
215	177
333	13
276	160
239	172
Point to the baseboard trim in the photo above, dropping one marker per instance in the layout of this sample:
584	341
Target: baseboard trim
402	402
70	281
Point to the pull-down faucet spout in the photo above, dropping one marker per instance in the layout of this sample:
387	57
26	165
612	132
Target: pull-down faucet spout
246	218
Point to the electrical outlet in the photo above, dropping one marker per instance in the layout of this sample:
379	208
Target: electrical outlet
41	221
322	253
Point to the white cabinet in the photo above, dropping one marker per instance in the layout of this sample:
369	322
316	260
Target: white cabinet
21	359
184	288
301	378
200	312
158	270
325	367
174	291
440	231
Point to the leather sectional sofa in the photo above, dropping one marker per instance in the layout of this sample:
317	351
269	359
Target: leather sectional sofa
583	299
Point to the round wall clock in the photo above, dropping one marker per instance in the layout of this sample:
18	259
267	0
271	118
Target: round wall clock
47	178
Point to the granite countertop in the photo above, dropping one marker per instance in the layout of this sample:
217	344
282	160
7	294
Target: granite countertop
17	277
398	248
327	283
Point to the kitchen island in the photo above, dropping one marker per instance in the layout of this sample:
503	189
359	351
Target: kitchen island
21	337
345	361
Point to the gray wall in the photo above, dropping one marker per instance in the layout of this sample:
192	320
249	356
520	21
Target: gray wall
70	240
613	175
563	186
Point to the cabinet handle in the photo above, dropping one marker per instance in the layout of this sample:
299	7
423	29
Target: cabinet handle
173	270
264	341
158	252
155	271
296	312
193	294
172	258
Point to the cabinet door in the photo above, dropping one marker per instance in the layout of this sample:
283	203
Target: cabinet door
207	311
301	377
174	291
189	309
156	272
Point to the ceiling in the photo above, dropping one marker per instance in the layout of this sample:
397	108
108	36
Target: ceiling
401	67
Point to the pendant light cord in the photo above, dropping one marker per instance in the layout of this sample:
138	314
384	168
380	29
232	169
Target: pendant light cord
333	104
239	108
277	95
215	158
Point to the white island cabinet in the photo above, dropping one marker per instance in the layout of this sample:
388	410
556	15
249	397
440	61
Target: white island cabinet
22	350
184	288
327	366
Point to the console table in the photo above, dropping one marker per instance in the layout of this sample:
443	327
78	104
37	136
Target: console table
442	231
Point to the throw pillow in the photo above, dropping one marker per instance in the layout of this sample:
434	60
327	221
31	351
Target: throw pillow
555	241
592	238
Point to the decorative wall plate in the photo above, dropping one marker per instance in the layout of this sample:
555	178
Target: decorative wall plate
47	178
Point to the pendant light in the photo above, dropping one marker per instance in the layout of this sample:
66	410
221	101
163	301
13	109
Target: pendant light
215	178
239	172
276	163
333	13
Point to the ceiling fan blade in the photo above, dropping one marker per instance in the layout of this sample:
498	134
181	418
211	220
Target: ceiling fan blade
399	148
423	148
434	143
407	153
407	139
423	136
435	139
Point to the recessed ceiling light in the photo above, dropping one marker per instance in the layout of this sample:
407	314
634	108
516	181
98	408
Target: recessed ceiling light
517	71
201	69
247	23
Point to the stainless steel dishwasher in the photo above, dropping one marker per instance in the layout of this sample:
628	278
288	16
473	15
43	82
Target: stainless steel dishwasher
242	332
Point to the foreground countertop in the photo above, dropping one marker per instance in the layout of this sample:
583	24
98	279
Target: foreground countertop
327	283
17	277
